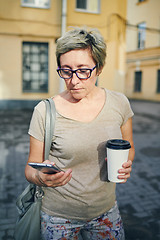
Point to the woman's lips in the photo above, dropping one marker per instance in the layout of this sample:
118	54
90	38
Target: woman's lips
76	89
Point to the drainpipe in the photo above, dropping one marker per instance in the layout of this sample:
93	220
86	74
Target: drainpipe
63	30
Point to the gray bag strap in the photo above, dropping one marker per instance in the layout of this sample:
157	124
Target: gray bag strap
49	130
49	125
23	200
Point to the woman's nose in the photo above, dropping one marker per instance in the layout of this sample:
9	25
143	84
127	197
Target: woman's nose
75	79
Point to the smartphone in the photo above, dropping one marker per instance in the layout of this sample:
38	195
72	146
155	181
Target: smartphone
46	168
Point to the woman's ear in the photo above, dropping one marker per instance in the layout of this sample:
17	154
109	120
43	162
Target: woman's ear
99	71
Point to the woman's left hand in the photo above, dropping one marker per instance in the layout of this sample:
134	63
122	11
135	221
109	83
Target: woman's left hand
126	170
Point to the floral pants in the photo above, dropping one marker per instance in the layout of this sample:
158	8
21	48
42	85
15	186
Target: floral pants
107	226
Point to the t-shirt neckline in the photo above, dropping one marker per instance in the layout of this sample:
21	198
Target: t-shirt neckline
92	121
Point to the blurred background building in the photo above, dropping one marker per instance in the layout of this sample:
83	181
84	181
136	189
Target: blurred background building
28	33
29	30
143	49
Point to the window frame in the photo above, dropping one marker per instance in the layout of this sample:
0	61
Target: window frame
36	4
86	10
141	34
31	72
158	81
140	1
137	82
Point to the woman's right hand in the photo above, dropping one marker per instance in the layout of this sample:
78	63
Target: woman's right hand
53	180
37	177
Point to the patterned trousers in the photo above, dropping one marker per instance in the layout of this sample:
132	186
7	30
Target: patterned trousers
107	226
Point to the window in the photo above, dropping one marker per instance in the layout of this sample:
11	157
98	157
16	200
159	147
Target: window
158	81
141	35
92	6
137	81
35	67
36	3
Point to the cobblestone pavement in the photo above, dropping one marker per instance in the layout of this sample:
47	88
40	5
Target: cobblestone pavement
138	199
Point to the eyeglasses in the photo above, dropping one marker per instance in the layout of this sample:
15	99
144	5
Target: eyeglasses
81	73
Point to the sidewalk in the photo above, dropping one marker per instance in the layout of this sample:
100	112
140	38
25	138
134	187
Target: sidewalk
138	199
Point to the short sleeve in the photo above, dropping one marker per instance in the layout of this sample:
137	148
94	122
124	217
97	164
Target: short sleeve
127	110
37	123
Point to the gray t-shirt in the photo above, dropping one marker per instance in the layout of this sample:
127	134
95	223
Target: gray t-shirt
81	147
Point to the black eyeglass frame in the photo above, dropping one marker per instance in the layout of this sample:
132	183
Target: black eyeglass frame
75	71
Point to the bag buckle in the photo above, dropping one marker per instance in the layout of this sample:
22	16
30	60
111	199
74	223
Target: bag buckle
39	193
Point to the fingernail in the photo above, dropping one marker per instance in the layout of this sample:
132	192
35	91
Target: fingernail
69	170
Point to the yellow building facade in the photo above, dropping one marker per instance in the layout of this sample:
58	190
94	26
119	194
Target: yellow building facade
28	33
143	50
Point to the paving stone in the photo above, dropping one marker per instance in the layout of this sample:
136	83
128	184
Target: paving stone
2	233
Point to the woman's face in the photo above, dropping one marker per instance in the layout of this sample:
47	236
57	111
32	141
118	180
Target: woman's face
79	59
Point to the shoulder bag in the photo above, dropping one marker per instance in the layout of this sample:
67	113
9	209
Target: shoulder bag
29	202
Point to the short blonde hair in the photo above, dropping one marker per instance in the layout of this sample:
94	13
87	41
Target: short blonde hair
80	38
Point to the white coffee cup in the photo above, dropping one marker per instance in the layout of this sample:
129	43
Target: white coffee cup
117	154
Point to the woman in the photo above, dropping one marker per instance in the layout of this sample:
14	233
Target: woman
80	203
